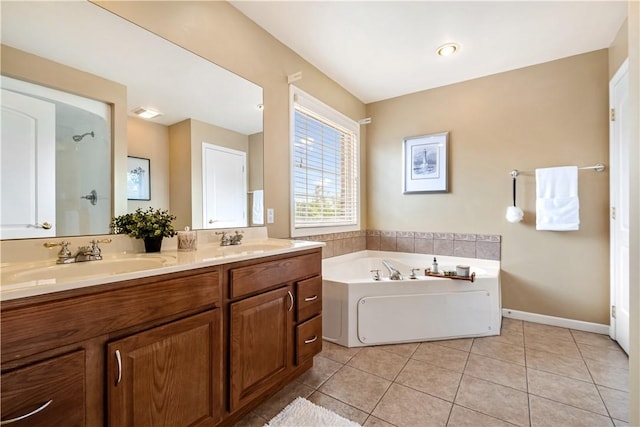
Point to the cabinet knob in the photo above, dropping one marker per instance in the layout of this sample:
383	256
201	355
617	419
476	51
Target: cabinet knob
22	417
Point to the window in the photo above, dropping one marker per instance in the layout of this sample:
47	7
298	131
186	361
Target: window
324	168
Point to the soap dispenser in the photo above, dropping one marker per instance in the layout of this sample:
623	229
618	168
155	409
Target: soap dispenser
434	266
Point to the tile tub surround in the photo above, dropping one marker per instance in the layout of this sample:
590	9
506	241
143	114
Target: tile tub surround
481	246
495	381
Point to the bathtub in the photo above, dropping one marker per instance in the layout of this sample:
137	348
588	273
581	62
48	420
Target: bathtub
359	311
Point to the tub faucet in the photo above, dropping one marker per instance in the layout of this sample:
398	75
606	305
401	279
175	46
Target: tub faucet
394	273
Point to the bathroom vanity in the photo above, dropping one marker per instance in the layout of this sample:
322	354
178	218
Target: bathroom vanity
202	345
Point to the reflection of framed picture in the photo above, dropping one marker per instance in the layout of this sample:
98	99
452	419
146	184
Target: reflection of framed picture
425	164
138	179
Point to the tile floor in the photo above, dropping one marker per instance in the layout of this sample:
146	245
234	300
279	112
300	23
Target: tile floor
530	375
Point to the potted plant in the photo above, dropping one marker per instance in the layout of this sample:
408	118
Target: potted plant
151	225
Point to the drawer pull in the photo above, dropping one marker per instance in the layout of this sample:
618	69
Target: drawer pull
313	298
291	299
315	337
22	417
119	361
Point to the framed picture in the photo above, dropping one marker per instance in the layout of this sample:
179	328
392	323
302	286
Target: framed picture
425	164
138	178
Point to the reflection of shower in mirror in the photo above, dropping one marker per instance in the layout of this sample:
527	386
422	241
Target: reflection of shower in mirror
78	138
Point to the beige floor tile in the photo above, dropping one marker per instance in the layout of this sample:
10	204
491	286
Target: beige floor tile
463	417
403	406
340	408
562	347
566	390
356	388
515	324
276	403
463	344
498	350
405	350
620	423
431	379
322	370
548	331
611	356
608	375
337	352
498	401
511	336
376	422
557	364
444	357
378	362
497	371
617	402
545	413
251	420
591	338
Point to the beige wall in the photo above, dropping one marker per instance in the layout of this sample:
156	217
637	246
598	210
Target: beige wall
217	31
180	173
34	69
151	141
546	115
619	49
256	161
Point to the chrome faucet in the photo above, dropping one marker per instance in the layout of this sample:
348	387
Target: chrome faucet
230	239
394	273
92	252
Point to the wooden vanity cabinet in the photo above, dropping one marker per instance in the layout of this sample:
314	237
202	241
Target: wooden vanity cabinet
167	376
267	303
60	348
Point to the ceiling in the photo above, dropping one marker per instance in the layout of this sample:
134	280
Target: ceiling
383	49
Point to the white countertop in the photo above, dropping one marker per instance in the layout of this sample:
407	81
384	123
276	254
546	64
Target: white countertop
25	279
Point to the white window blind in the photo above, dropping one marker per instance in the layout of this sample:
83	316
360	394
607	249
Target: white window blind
324	166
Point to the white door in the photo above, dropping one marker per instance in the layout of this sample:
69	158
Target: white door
224	187
619	197
28	153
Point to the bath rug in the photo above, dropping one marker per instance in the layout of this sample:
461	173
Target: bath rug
302	413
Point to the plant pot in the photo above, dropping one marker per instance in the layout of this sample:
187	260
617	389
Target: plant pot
152	244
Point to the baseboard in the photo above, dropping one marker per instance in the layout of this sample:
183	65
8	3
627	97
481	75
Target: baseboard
562	322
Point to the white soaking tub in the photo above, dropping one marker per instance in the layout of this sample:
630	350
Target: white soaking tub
360	311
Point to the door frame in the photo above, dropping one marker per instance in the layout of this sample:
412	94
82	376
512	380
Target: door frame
614	203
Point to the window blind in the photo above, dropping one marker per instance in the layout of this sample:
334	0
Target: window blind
324	171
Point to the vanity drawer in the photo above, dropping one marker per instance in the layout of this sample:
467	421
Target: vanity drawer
308	339
52	392
256	277
309	301
35	328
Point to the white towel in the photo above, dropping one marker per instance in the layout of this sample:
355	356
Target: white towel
557	204
257	211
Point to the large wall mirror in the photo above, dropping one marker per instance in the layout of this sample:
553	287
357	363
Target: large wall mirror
205	150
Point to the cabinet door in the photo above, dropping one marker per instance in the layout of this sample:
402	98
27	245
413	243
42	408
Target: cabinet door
49	393
261	343
167	376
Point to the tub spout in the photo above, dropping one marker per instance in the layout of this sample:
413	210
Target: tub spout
394	273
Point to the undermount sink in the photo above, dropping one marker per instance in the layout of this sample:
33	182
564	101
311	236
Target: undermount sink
83	270
251	247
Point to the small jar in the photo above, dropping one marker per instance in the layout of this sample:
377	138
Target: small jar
187	240
462	270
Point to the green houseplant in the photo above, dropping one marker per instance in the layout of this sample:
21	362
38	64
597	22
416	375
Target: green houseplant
150	224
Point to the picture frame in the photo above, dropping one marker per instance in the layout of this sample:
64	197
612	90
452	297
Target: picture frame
138	178
425	163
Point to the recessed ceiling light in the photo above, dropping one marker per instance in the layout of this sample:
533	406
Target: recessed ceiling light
447	49
146	113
